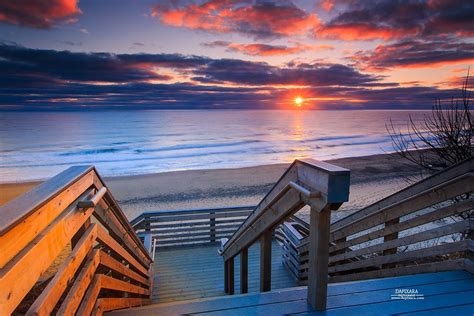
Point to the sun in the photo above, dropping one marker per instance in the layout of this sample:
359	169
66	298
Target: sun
298	101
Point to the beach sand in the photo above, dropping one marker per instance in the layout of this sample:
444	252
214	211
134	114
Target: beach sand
372	178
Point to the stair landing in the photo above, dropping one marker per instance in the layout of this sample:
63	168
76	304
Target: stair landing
442	293
183	273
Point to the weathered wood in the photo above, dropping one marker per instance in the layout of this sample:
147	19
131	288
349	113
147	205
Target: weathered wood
230	276
120	216
389	237
109	304
440	250
266	261
111	243
212	225
22	220
110	283
407	240
48	299
457	264
287	205
244	271
110	220
422	200
318	257
419	187
90	297
18	209
21	273
80	285
413	222
117	266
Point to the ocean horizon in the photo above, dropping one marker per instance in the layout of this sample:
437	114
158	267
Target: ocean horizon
36	146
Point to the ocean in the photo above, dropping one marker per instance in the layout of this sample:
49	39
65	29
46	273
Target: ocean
37	145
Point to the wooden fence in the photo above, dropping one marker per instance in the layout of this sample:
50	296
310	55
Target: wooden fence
66	247
189	227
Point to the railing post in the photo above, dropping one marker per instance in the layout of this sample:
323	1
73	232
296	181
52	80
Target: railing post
212	226
318	257
266	261
393	236
230	276
226	278
244	272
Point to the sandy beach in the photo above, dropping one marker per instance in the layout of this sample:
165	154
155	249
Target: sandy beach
372	177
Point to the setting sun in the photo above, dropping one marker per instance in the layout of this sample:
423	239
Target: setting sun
299	101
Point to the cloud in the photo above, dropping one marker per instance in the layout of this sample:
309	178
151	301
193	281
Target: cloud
259	49
256	19
389	19
415	54
37	13
37	79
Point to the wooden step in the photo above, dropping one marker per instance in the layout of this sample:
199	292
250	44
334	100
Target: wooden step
441	292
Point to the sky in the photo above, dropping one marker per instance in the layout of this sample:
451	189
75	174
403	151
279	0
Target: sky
222	54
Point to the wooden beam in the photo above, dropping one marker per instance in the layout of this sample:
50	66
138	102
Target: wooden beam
320	221
226	277
109	304
87	305
117	266
266	261
230	276
21	273
48	299
111	243
80	285
244	271
22	220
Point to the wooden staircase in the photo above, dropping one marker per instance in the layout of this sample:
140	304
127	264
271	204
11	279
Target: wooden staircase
67	248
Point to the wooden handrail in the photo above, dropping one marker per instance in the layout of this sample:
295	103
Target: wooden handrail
369	246
306	182
39	225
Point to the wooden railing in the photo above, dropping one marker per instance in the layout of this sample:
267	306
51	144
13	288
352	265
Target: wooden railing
189	227
416	230
323	187
71	229
426	227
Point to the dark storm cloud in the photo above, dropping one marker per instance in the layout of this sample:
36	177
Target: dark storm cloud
36	79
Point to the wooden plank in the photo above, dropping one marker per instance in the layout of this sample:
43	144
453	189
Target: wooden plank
80	285
18	209
21	273
110	220
119	215
150	215
117	266
318	257
170	226
90	297
109	304
107	282
412	222
419	187
111	243
178	218
22	220
244	271
266	261
48	299
457	264
433	196
440	250
288	204
404	241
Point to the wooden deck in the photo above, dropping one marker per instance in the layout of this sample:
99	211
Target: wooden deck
190	272
444	293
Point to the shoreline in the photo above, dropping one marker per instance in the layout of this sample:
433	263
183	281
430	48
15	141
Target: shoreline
372	178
